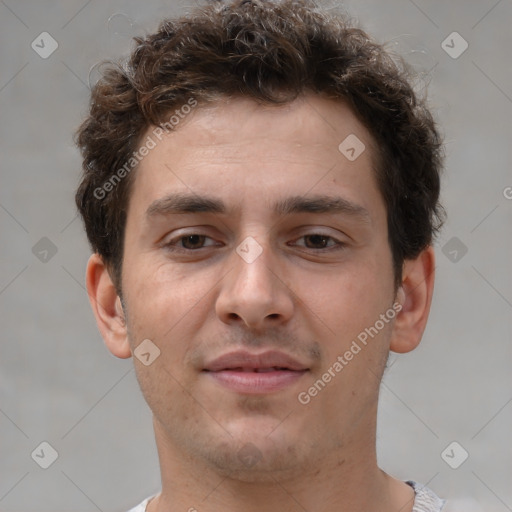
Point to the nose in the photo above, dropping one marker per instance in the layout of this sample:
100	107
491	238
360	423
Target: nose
254	293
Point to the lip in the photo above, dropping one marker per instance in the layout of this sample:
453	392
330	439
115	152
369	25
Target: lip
266	372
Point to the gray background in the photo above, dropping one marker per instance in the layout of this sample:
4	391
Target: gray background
59	384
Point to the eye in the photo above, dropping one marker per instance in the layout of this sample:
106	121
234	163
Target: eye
189	242
319	241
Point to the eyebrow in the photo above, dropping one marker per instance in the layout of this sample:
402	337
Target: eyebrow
183	203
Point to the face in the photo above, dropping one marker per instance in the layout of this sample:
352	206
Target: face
252	238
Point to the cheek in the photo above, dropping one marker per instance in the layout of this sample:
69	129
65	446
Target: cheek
166	304
167	308
346	299
166	391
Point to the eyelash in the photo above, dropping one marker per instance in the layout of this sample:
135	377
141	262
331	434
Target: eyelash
172	245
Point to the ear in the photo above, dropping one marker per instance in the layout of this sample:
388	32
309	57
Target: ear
415	295
107	307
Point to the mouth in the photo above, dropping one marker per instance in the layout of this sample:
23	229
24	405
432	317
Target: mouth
257	370
243	372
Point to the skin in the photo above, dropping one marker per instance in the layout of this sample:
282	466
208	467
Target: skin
302	298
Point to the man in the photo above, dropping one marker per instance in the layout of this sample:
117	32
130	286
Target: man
260	192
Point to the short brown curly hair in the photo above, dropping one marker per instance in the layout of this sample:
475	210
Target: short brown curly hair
272	52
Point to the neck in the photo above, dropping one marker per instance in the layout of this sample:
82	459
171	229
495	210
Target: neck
347	480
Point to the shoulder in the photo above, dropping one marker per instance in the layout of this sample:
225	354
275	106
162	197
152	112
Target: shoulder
425	499
141	507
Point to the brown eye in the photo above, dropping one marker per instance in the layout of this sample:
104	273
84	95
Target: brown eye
192	241
320	243
317	241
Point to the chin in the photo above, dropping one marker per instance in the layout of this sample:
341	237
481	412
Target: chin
253	456
255	463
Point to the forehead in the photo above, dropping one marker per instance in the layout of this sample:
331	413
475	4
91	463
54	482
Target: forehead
309	121
237	147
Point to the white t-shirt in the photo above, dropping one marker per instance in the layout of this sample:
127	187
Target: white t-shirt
141	507
424	501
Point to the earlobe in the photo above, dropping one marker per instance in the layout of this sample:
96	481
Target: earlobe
107	307
415	297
